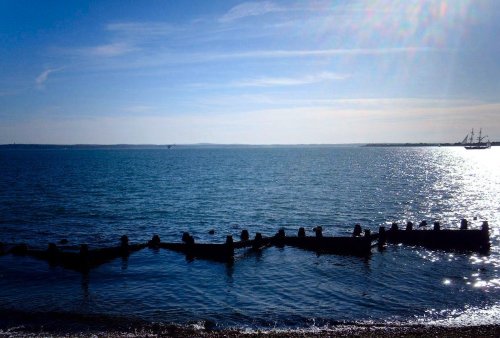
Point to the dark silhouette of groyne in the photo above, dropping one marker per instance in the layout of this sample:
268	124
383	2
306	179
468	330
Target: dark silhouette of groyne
360	243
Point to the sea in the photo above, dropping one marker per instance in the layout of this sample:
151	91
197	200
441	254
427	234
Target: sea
95	196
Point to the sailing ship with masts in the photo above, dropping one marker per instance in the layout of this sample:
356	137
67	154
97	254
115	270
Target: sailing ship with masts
470	142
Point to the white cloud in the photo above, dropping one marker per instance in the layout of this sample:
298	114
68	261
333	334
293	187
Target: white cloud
290	81
247	9
43	77
138	109
322	52
111	49
148	28
105	50
165	58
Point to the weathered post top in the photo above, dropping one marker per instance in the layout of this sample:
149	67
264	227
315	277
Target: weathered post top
319	231
302	232
155	240
437	226
463	224
357	230
124	241
244	236
409	226
281	233
186	237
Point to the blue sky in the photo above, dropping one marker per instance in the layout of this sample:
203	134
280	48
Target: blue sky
264	72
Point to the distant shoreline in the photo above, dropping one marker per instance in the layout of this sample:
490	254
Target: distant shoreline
22	146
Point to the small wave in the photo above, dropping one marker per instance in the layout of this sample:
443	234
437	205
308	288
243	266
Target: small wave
470	316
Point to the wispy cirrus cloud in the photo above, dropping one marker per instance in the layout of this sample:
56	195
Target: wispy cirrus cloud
297	53
247	9
290	81
323	52
104	50
111	49
138	108
124	38
163	58
44	76
144	29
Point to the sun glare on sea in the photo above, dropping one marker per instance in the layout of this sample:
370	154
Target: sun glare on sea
474	178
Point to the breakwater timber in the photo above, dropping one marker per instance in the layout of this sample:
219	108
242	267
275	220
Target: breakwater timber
462	239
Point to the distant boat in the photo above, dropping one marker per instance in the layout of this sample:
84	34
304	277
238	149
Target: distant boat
470	142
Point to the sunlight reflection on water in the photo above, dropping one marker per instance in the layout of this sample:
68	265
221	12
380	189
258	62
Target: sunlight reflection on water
470	316
474	178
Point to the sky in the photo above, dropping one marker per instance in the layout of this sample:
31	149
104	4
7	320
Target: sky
263	72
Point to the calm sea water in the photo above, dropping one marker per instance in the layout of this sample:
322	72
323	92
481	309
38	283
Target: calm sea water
95	196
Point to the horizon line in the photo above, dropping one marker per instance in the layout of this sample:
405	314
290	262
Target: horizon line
224	144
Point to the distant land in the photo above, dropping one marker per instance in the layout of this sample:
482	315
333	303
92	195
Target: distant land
21	146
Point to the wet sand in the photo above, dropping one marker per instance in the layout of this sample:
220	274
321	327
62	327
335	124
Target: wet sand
22	324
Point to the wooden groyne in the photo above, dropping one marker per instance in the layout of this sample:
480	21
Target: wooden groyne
75	258
356	244
217	252
462	239
360	243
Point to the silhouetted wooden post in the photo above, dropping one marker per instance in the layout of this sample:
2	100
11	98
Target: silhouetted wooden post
409	226
244	235
368	233
154	242
382	236
485	227
463	224
485	230
124	242
319	231
257	242
187	238
357	230
281	233
394	226
301	233
437	226
279	238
